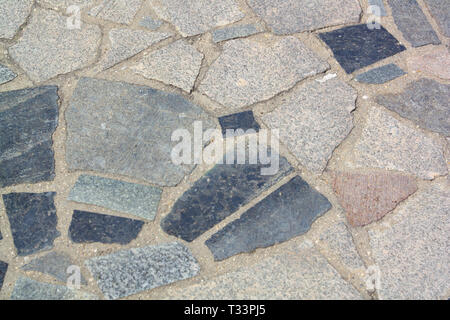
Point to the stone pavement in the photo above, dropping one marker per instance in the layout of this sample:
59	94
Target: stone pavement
92	93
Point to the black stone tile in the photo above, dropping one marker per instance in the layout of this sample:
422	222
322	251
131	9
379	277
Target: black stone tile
28	119
242	120
3	269
286	213
218	194
33	221
87	227
356	47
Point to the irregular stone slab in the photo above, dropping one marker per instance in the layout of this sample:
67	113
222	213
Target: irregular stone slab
413	253
88	227
3	269
55	264
242	120
293	16
28	119
425	102
235	32
378	194
126	43
13	14
28	289
119	11
150	23
380	6
435	63
6	74
127	272
381	74
386	143
286	213
356	47
249	71
192	17
313	120
64	4
33	221
120	128
131	198
440	10
299	273
217	195
412	23
177	64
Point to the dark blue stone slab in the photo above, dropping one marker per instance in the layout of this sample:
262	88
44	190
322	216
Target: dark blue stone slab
356	47
3	269
381	74
33	221
28	119
286	213
1	237
218	194
87	227
242	120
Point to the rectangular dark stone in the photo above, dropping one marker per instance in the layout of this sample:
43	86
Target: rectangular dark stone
242	120
3	269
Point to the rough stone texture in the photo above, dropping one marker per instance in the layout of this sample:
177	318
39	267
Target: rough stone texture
150	23
440	10
3	269
192	17
119	11
412	23
381	75
88	227
116	127
6	74
242	120
386	143
425	102
48	48
299	273
368	197
33	221
127	272
249	71
293	16
64	4
126	43
380	5
217	195
13	14
54	264
413	253
131	198
313	120
234	32
28	118
356	47
28	289
286	213
177	64
435	63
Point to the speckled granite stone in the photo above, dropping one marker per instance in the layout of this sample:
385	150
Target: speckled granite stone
119	11
381	74
440	10
234	32
435	62
3	269
242	120
13	14
6	74
150	23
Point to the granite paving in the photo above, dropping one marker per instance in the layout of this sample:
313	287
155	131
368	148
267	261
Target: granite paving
440	11
381	74
3	269
435	63
243	120
380	6
150	23
6	74
118	11
239	31
13	14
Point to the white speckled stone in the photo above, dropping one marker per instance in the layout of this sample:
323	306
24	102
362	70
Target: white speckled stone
13	14
119	11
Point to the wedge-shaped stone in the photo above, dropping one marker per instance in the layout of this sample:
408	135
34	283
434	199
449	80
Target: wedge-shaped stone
13	14
249	71
127	272
440	11
286	213
119	11
293	16
381	75
126	129
386	143
3	269
313	120
242	120
88	227
425	102
28	118
6	74
33	221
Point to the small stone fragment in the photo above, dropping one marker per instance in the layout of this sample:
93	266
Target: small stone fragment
128	272
425	102
412	23
6	74
178	64
234	32
131	198
150	23
33	221
440	10
88	227
377	194
356	47
242	120
3	269
119	11
435	63
381	75
379	6
286	213
13	14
